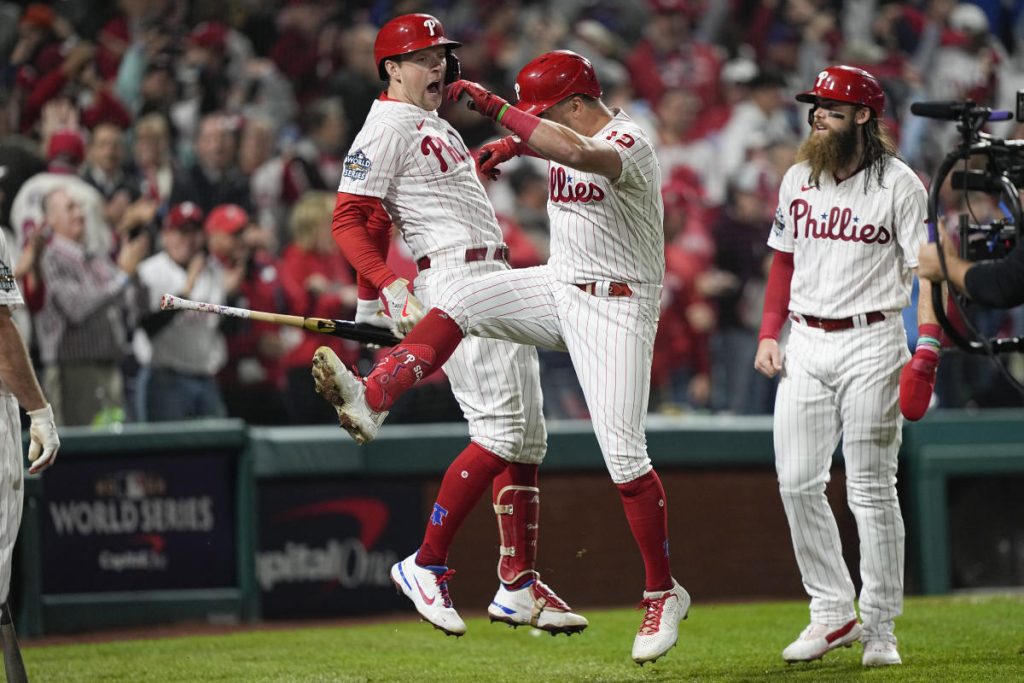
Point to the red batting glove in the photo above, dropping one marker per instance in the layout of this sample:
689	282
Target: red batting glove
480	99
498	152
917	379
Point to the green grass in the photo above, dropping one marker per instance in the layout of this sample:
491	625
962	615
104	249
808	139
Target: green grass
965	638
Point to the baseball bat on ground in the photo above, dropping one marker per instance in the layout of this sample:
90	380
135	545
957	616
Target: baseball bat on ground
363	333
14	667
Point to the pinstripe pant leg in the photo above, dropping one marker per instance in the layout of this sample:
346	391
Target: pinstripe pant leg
535	433
506	312
11	488
611	341
871	440
806	433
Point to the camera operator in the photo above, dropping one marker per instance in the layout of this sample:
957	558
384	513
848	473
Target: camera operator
997	284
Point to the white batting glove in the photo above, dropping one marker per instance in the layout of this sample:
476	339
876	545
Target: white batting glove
371	312
403	306
42	451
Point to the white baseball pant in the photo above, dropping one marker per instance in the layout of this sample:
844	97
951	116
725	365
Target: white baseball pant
11	487
497	383
610	341
844	384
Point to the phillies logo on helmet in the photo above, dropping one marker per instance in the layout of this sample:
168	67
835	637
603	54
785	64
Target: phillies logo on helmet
408	33
553	77
846	84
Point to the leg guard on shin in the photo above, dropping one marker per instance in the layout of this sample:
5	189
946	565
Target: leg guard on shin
518	512
522	598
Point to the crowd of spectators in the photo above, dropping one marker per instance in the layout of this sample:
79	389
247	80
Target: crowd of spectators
151	146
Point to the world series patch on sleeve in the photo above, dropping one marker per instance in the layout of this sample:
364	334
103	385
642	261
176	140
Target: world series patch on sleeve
357	165
780	222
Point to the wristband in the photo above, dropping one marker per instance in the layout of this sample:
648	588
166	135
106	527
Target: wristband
929	336
518	121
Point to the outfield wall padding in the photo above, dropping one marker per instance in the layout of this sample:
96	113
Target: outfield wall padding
217	521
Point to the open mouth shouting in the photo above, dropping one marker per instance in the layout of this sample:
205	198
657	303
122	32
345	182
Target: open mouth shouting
434	87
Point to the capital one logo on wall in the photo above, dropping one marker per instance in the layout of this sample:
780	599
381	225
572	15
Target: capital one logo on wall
326	549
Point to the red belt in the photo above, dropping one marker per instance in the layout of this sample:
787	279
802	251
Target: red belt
836	324
614	288
474	254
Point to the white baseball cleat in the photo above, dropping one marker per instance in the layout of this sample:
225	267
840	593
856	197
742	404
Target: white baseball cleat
347	393
659	630
880	653
534	605
818	639
427	587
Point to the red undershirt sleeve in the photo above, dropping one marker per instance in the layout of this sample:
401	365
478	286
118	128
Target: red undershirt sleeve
776	296
362	230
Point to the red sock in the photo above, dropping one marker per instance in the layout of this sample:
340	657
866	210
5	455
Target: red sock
424	350
647	513
517	474
464	482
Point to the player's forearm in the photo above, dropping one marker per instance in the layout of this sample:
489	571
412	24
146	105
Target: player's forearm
15	367
776	296
925	307
353	217
564	146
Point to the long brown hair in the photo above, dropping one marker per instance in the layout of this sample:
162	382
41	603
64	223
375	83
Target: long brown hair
878	145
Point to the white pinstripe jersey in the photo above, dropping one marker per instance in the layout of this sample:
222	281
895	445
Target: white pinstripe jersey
854	244
10	296
604	230
419	167
11	453
9	293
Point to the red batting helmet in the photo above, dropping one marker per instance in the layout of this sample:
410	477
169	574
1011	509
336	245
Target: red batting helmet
405	34
847	84
553	77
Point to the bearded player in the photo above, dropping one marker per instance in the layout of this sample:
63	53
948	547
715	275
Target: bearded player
846	235
597	298
409	166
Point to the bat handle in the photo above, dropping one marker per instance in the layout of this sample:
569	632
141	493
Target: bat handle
169	302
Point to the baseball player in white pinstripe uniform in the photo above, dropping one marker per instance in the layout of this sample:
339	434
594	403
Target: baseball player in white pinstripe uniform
847	230
18	384
411	165
597	297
